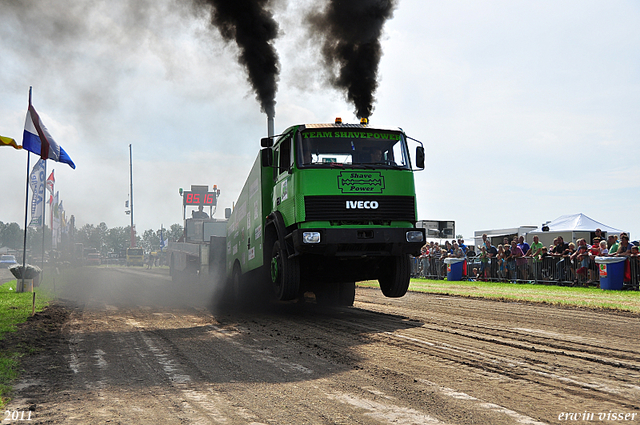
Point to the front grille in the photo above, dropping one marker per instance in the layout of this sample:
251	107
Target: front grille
345	208
364	247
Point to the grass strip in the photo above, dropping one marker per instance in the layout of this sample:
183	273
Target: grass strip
547	294
15	308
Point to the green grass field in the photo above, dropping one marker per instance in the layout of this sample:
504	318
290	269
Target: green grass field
14	309
558	295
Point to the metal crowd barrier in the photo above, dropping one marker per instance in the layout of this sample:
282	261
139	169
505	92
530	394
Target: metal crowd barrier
429	268
550	270
634	273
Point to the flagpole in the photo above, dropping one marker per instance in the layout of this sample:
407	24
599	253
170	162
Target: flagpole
26	214
51	212
26	218
50	202
44	215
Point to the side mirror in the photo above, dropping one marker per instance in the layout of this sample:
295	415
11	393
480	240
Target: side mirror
266	142
267	157
227	212
420	157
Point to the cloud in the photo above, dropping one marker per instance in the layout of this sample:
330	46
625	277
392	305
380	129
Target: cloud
515	102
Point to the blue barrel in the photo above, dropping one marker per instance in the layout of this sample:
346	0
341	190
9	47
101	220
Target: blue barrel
611	272
454	268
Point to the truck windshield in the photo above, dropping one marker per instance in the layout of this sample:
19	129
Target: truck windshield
358	148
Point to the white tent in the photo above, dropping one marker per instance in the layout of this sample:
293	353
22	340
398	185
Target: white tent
571	228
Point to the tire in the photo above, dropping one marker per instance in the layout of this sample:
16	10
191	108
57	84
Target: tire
174	274
285	274
235	291
347	294
172	271
395	282
328	295
334	295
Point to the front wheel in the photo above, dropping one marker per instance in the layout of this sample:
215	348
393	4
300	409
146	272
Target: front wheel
395	281
285	273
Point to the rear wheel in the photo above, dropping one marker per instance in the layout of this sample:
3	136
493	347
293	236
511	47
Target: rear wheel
235	291
173	272
175	278
285	273
395	282
340	294
327	295
347	294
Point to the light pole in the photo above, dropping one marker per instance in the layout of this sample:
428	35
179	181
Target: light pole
133	232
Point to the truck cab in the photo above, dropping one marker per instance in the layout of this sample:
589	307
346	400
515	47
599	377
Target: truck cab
135	257
339	205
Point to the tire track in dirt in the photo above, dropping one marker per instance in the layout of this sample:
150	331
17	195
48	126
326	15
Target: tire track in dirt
127	362
139	352
576	367
335	335
597	363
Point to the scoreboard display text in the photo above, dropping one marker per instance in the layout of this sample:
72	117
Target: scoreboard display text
199	198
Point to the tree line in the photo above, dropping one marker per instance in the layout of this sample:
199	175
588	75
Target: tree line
101	238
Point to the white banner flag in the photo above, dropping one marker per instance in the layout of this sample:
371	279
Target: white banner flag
61	224
37	183
55	226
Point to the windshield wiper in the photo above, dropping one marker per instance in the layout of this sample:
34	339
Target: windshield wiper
373	166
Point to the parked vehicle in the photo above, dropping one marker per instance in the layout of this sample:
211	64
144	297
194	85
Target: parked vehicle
93	259
7	261
135	257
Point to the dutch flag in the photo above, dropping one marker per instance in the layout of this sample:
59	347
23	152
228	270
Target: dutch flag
36	139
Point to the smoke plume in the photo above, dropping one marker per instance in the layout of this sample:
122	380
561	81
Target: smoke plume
350	31
253	29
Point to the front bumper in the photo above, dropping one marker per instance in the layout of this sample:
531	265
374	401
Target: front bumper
366	242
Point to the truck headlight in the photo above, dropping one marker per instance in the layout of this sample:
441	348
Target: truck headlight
415	236
311	237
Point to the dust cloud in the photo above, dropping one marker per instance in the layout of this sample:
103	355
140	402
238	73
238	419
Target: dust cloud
138	287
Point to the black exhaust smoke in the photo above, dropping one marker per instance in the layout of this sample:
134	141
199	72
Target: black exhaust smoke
253	28
350	32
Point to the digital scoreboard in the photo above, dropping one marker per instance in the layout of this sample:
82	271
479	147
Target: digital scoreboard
199	198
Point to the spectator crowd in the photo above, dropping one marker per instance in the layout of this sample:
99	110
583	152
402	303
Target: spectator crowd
516	260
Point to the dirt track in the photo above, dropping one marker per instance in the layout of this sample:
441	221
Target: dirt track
132	348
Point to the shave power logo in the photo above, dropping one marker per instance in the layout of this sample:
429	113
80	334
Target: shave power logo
361	182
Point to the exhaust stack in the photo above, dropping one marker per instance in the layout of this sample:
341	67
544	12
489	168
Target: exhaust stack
270	126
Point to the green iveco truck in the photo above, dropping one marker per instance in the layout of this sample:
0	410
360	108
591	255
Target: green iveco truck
324	206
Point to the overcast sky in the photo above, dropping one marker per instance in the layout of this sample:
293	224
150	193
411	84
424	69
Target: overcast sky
528	110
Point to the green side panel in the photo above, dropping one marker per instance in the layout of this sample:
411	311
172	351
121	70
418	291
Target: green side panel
266	191
246	224
284	197
299	206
